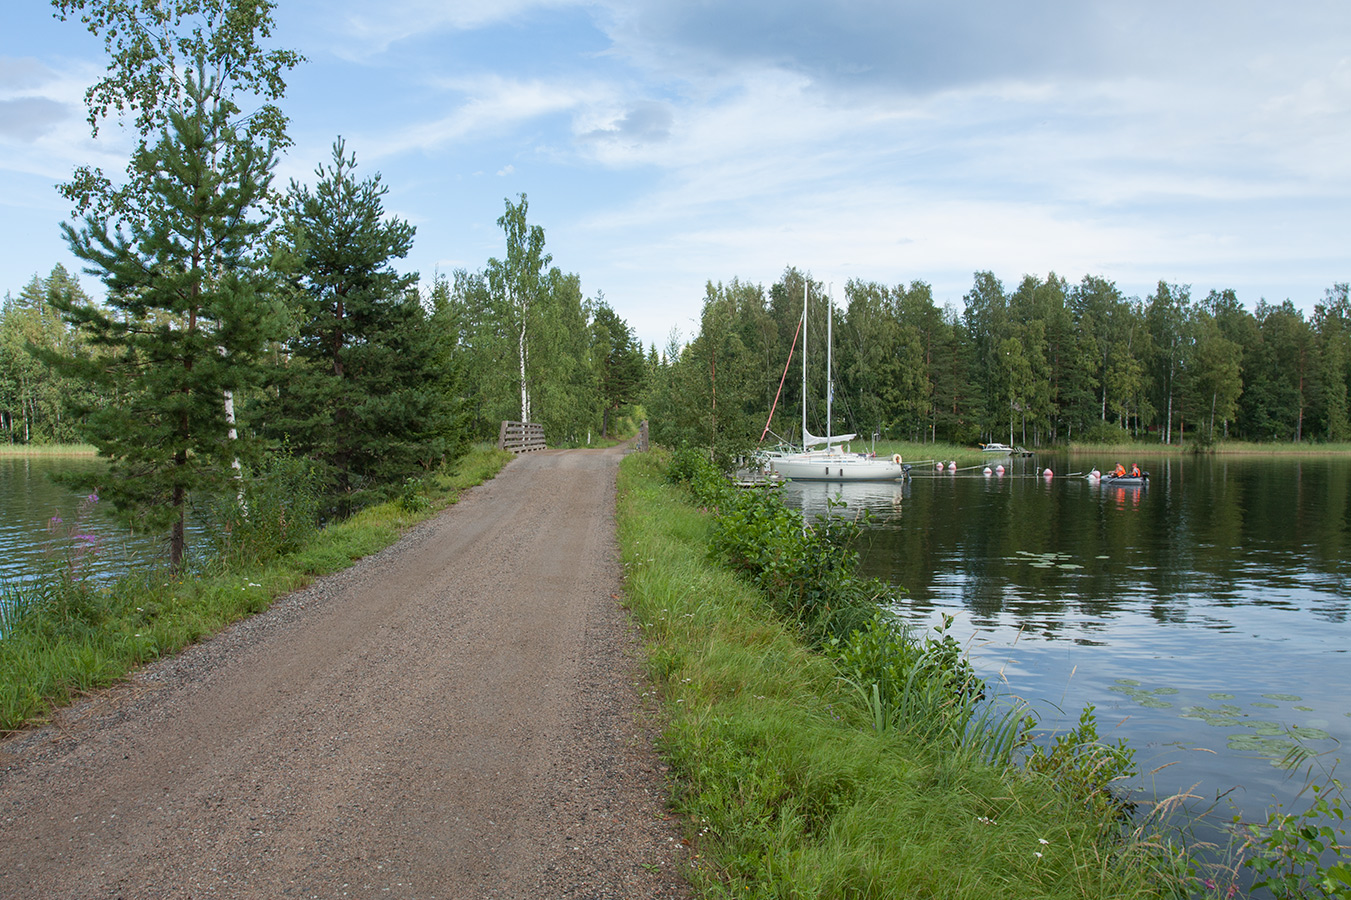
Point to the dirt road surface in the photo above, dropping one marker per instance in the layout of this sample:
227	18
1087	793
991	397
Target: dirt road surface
459	716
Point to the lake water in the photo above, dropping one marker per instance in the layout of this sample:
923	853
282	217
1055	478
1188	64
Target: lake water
42	523
1204	615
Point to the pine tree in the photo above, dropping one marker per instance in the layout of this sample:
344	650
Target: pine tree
187	316
618	358
367	389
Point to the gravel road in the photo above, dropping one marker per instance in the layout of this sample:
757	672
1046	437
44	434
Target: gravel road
459	716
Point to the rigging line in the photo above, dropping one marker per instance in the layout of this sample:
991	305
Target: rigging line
782	378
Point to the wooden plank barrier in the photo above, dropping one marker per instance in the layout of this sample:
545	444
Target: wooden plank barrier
521	437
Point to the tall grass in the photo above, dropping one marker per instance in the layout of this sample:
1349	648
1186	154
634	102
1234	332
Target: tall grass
794	773
68	635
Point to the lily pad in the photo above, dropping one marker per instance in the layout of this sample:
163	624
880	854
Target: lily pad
1216	718
1154	703
1253	743
1289	698
1267	729
1262	705
1070	566
1130	681
1164	690
1309	733
1220	696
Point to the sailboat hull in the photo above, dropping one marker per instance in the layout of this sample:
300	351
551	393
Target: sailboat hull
836	467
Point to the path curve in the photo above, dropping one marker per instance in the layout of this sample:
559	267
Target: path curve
458	716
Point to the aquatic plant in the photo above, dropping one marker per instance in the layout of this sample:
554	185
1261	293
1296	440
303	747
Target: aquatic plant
1302	854
1082	765
72	544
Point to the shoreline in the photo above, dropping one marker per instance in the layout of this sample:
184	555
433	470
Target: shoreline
30	450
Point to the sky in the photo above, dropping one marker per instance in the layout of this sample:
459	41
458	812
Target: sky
664	144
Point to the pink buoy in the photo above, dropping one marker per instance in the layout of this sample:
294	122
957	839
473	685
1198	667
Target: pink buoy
952	466
939	465
1047	473
987	472
999	470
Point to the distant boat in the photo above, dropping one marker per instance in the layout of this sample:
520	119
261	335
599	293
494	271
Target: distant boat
1110	480
994	448
832	462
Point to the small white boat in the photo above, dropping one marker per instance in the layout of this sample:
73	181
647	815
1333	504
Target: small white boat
994	448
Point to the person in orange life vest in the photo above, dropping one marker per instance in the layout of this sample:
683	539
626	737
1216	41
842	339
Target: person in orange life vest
1119	471
1135	470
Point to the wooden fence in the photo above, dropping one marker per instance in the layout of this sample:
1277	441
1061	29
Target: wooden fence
521	437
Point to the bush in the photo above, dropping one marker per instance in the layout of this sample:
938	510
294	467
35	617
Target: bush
1107	433
275	512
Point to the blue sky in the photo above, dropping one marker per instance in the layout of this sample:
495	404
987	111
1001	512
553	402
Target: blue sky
666	143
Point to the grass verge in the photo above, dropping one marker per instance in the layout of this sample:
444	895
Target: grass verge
786	786
65	637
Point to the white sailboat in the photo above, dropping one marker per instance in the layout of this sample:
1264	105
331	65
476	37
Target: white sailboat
832	462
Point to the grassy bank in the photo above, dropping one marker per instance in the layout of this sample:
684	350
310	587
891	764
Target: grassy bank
65	636
48	450
1153	449
796	781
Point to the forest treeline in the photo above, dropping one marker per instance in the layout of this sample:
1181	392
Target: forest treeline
1047	362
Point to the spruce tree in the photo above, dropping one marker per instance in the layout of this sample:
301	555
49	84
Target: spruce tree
188	312
366	391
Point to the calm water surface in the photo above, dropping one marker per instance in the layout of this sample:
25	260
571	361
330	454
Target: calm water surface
31	543
1204	615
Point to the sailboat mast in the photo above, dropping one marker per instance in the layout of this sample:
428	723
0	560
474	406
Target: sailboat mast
804	363
830	360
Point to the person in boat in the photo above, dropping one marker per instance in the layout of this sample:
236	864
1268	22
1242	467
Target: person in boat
1119	471
1135	470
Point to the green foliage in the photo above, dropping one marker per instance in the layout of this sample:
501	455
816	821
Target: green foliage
32	397
924	686
1106	433
1084	767
533	347
411	499
1303	854
367	390
155	47
618	360
188	315
273	511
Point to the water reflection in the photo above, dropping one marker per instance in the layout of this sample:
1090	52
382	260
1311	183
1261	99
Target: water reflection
43	522
1219	578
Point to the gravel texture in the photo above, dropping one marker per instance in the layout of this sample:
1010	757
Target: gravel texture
458	716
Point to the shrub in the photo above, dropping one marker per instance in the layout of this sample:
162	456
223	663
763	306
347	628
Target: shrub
275	512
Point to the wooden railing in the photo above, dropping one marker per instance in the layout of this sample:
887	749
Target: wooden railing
521	437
